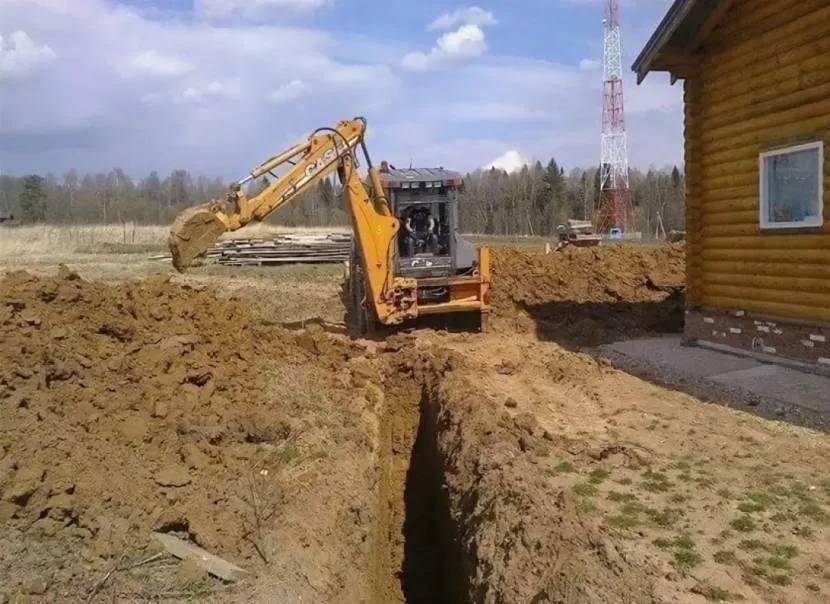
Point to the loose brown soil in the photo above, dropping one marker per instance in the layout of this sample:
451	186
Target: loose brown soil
588	296
431	467
148	406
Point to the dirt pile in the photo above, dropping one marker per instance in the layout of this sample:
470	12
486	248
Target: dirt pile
143	406
587	296
147	406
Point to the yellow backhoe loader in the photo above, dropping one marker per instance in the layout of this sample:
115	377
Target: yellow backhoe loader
407	258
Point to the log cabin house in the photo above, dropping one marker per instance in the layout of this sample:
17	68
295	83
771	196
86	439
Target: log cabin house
756	95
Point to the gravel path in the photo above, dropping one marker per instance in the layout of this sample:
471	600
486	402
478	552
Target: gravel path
671	371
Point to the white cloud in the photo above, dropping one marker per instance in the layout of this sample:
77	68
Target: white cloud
509	161
658	96
549	109
218	98
212	90
495	111
465	42
590	64
466	39
424	145
292	91
21	57
469	15
253	9
212	101
152	62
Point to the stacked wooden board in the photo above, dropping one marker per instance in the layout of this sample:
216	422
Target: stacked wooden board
283	249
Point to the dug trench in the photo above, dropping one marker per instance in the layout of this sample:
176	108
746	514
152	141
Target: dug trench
330	470
470	516
492	468
482	519
417	551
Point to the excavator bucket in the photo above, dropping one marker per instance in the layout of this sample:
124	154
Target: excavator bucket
193	233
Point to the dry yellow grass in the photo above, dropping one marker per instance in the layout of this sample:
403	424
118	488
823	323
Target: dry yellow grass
32	242
72	239
47	246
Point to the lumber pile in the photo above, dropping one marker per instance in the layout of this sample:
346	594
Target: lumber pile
283	249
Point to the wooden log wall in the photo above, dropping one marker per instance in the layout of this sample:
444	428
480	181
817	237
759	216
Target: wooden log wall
764	79
694	284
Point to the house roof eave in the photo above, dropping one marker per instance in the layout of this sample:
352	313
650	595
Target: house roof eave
682	30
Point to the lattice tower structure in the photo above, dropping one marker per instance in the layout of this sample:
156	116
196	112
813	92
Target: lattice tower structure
615	209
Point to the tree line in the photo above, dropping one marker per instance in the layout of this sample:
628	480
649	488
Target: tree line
530	201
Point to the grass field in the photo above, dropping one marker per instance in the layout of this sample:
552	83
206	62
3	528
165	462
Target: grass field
39	240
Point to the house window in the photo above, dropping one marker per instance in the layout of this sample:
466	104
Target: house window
792	187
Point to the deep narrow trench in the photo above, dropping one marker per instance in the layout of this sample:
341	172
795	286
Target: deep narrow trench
432	569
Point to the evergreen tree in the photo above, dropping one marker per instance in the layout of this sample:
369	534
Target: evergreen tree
528	201
32	199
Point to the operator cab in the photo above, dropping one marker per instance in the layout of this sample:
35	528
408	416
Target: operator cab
425	200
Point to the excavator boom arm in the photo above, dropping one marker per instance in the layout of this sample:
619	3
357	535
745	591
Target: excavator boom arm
326	150
196	230
311	161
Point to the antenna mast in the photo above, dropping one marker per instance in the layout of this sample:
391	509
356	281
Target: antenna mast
614	195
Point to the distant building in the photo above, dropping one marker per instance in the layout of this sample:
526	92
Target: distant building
756	78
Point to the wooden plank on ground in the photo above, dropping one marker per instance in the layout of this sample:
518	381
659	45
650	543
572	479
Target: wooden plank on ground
287	248
190	551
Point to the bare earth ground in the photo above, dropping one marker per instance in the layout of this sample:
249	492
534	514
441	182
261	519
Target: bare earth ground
225	406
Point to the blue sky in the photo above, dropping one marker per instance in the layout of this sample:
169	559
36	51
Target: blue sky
216	86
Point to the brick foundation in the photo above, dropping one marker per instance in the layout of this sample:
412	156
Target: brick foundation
787	339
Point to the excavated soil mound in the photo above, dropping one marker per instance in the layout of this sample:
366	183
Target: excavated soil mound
511	532
588	296
138	407
147	406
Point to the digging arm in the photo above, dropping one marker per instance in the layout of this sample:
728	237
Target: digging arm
391	299
311	161
196	229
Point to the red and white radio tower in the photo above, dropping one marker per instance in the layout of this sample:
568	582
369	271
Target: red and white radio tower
614	196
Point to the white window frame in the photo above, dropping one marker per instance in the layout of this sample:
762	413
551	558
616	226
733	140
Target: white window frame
763	205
